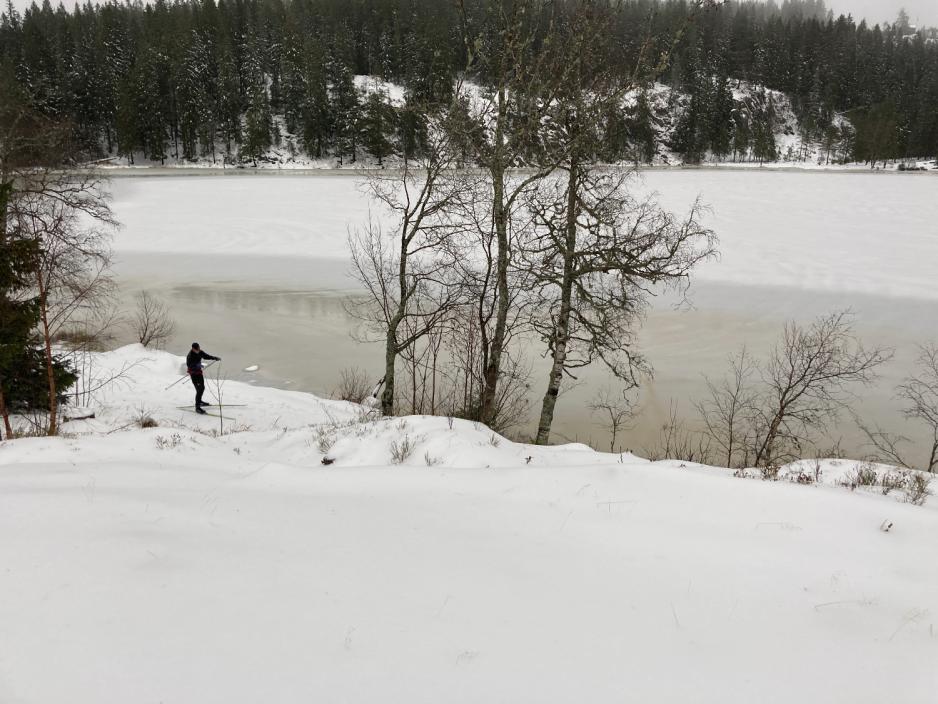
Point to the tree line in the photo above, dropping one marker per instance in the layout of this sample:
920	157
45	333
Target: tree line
191	79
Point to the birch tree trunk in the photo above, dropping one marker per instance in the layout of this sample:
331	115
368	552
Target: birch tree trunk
500	219
47	349
8	429
561	336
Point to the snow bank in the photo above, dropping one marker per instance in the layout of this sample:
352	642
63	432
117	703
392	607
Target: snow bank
141	378
165	564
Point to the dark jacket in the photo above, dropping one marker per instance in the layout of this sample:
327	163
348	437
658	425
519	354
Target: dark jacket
194	361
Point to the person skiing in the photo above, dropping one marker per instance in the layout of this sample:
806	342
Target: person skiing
194	370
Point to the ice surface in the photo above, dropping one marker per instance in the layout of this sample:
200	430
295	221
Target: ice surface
868	233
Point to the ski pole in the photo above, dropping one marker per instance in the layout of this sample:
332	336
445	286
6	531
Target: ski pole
186	375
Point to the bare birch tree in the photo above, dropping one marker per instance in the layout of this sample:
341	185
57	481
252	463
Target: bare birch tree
597	258
765	412
728	413
72	275
807	381
152	323
919	396
407	272
60	208
615	412
513	51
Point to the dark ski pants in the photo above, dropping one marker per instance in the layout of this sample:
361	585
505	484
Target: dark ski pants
198	381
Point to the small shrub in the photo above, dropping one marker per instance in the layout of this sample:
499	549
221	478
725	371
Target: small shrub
431	460
891	481
164	443
817	471
866	475
143	419
34	431
834	452
804	478
402	450
848	481
354	385
325	439
770	473
917	488
495	441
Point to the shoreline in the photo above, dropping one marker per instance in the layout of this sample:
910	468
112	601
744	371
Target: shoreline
364	172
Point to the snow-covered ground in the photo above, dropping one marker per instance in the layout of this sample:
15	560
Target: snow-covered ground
172	565
865	233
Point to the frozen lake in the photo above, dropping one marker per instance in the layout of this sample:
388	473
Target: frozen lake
255	269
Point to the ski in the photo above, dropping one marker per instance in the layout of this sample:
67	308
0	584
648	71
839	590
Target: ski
213	415
227	405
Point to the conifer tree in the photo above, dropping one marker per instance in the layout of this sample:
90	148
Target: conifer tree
642	129
411	130
258	126
165	79
19	315
742	133
763	134
721	119
377	122
316	110
346	110
689	137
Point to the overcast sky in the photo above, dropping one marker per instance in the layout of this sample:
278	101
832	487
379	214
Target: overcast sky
875	11
923	11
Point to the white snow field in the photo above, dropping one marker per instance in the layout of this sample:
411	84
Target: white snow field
168	565
870	233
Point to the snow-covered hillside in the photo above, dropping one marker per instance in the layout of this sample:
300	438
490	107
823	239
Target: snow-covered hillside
435	561
666	106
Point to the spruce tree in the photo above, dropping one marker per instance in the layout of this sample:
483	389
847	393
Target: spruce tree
346	110
316	110
764	147
720	120
742	132
641	128
411	130
257	127
134	77
377	122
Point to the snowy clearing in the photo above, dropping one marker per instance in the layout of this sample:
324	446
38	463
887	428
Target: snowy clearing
168	565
